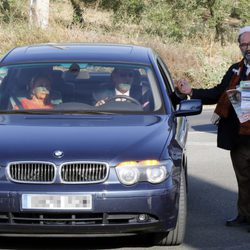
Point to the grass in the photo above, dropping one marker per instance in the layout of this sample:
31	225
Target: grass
203	62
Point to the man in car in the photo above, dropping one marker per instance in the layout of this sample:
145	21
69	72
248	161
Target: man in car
125	83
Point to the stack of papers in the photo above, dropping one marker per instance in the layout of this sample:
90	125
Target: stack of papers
240	99
245	95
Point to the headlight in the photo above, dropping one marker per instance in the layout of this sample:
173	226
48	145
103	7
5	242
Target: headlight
128	175
153	171
156	174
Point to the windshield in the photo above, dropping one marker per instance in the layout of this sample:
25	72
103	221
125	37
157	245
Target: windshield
79	87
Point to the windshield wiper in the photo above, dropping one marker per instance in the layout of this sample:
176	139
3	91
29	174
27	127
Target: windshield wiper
46	112
25	112
83	112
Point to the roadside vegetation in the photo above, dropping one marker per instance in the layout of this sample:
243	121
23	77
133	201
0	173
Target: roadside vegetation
196	38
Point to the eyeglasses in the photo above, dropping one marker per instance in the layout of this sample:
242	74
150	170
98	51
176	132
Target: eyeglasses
245	45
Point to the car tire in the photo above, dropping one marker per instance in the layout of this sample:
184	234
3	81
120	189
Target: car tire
176	236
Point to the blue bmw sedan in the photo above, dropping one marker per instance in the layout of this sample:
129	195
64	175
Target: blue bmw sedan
92	142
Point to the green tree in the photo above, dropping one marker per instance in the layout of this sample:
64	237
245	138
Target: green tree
12	9
129	11
241	11
174	19
77	11
219	11
5	10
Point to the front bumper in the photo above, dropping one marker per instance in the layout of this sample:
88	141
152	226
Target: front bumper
114	212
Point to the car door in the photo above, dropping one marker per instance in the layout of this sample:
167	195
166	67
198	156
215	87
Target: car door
182	125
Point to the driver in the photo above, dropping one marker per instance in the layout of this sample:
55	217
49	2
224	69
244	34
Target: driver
123	80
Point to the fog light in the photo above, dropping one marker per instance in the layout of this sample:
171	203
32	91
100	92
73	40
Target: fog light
142	218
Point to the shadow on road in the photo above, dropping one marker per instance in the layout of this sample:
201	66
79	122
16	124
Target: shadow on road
210	206
209	128
72	243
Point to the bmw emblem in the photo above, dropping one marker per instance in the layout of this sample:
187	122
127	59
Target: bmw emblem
58	154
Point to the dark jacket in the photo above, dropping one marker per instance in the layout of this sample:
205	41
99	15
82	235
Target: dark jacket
228	128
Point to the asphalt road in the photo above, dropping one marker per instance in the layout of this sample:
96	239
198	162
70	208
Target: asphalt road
211	200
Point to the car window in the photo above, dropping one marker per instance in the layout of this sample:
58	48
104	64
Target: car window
80	87
3	73
166	76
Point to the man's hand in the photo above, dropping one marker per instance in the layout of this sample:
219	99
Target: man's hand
184	87
101	102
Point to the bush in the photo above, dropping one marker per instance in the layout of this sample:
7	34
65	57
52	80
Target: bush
159	20
130	10
110	4
11	10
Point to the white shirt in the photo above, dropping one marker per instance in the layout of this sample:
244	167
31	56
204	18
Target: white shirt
248	69
117	92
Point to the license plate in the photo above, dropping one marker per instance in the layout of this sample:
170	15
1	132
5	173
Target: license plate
56	201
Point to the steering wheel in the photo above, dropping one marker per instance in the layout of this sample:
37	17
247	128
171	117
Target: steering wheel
127	99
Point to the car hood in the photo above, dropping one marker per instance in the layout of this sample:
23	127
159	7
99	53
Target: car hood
108	138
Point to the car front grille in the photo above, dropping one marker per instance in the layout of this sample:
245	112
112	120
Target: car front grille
45	172
84	172
32	172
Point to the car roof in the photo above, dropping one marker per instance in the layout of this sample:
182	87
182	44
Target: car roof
53	52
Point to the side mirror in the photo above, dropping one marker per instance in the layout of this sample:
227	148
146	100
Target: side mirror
189	107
